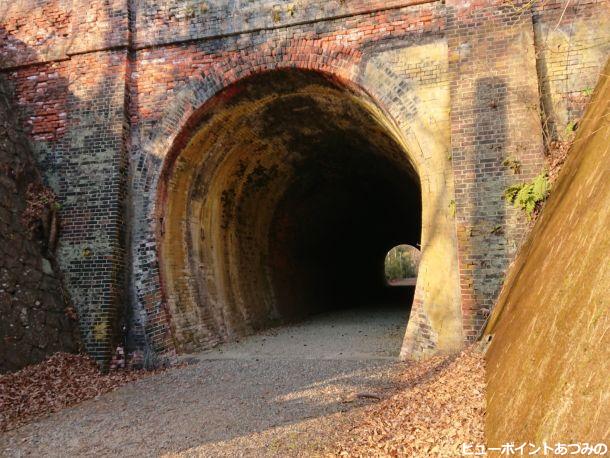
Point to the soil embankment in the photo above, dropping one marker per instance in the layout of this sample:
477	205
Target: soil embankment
548	363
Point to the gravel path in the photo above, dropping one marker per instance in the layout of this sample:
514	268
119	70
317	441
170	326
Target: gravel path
279	393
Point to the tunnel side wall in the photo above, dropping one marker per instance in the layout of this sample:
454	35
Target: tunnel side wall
547	366
98	98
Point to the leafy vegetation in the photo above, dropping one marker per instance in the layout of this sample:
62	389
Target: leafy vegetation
276	14
588	91
400	263
529	196
571	127
41	205
513	164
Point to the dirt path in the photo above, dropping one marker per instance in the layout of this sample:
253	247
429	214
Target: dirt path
279	393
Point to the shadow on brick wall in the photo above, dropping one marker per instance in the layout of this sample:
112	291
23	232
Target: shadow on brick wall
37	318
487	241
78	140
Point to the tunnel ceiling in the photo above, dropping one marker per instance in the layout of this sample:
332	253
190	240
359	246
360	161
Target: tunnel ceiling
283	202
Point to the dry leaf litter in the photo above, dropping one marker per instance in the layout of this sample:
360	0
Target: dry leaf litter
439	406
61	381
556	155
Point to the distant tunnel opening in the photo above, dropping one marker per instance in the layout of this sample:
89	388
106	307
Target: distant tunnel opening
402	265
283	201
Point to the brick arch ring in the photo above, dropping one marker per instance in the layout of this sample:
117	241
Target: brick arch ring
168	314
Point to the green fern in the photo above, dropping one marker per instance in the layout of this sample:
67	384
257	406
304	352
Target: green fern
513	164
571	127
511	192
527	196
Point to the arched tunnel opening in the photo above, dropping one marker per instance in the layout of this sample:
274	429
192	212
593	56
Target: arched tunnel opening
283	200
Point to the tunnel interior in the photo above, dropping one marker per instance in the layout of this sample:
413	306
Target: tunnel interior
282	202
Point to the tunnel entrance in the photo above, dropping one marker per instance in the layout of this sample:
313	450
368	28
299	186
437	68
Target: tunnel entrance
284	197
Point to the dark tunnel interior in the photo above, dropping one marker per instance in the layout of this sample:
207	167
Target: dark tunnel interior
290	207
346	207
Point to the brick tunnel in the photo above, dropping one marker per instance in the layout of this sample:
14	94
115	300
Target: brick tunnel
186	183
282	201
